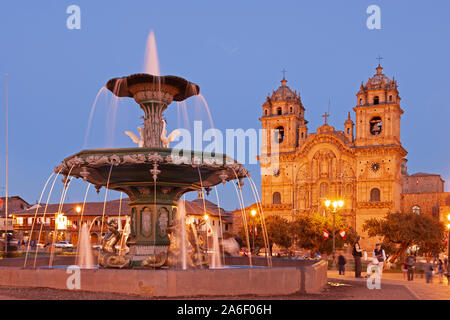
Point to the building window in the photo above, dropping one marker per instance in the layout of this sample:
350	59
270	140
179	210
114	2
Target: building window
375	126
276	198
279	135
360	101
323	190
390	98
290	110
375	195
376	100
265	112
416	209
348	130
278	111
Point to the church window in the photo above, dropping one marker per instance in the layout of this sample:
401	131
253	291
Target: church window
323	190
375	195
416	209
375	126
360	101
390	98
276	198
348	130
278	111
279	134
302	135
376	100
266	112
290	110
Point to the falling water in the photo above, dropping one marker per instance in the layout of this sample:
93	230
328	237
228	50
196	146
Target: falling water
80	220
34	220
104	203
151	62
205	105
61	204
91	115
43	218
85	259
216	259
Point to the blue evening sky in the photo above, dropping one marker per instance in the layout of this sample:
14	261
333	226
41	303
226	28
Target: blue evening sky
234	50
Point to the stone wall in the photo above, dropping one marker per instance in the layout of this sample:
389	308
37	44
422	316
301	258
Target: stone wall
429	203
422	184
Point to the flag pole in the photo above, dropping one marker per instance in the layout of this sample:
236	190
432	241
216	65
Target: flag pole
6	169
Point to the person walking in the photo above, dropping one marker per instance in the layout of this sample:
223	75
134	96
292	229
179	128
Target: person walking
410	264
429	272
440	270
342	262
357	254
404	270
380	255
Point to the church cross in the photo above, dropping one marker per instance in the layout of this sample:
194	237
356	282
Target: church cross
284	73
379	58
326	115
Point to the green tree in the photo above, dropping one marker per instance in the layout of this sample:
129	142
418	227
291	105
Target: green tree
407	229
307	232
277	231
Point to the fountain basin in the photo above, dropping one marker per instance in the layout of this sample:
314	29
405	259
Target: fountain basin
307	278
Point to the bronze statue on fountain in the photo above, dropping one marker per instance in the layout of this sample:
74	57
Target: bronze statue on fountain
152	175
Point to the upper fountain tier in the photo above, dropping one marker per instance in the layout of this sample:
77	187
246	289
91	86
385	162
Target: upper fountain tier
153	94
145	87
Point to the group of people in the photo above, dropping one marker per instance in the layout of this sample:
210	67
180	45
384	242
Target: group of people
409	266
379	259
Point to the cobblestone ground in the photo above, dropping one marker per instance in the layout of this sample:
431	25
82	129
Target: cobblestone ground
418	288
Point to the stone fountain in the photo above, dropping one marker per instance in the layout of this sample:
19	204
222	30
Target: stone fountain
153	176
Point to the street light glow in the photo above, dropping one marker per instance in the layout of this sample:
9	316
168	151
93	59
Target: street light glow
78	209
448	217
327	203
205	217
253	212
341	203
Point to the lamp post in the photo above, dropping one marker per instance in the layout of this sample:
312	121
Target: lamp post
253	213
335	204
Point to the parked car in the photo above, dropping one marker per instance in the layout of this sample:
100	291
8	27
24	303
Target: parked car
63	244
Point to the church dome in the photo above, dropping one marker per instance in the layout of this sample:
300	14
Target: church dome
379	80
284	93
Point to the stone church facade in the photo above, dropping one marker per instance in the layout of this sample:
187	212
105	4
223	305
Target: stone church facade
365	164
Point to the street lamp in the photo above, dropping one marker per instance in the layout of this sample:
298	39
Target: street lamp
78	209
253	213
335	204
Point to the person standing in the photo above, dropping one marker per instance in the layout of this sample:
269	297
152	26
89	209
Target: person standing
380	255
428	272
342	262
410	264
357	254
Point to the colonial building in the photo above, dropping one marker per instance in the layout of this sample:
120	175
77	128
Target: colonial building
66	220
364	164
